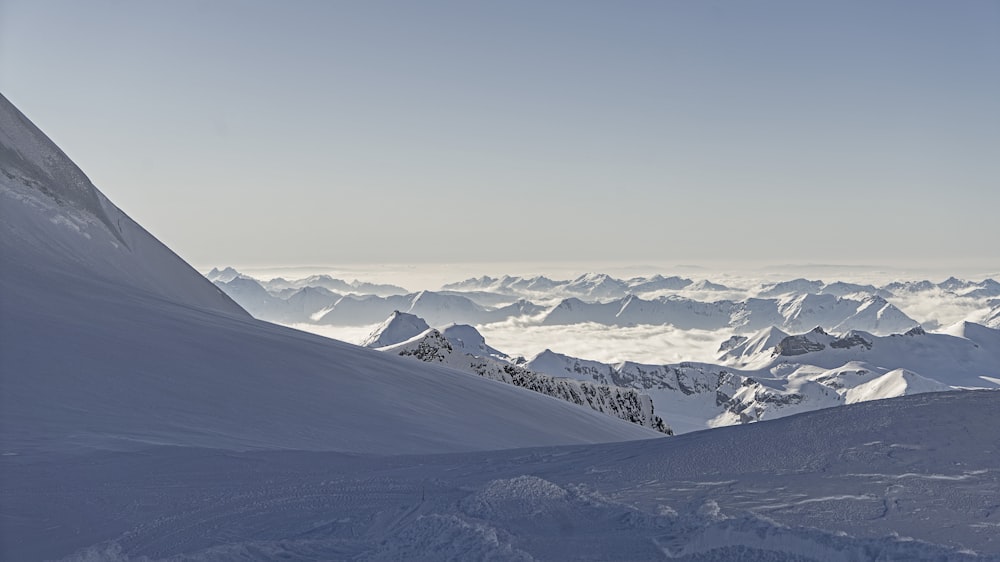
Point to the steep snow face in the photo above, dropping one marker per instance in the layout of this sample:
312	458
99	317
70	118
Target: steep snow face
53	220
397	328
110	341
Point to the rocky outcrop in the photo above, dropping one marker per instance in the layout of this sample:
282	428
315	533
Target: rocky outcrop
624	403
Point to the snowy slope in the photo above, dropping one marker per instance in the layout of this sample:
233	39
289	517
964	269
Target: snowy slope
899	382
111	341
913	478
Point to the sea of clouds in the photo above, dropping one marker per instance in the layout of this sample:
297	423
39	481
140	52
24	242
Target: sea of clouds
524	336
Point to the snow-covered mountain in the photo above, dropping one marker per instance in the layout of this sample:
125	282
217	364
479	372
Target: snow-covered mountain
791	287
766	375
333	284
589	286
111	341
295	306
992	317
466	339
967	357
431	346
224	275
322	306
772	374
796	312
397	328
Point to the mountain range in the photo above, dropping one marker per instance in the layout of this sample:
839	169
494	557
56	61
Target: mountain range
144	415
793	305
766	375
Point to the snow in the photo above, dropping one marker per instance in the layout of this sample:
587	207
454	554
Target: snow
771	374
793	312
54	218
145	416
898	382
913	478
397	328
467	339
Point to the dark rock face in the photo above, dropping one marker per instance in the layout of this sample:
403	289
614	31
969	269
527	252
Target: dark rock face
853	340
624	403
732	342
797	345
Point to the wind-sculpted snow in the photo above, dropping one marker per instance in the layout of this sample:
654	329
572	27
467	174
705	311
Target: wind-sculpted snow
432	346
913	478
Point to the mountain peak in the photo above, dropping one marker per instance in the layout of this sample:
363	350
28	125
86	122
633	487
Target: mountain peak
397	328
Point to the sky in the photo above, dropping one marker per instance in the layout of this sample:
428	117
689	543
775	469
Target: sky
667	132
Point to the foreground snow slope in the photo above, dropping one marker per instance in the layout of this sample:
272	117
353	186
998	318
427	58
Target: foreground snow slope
109	340
911	478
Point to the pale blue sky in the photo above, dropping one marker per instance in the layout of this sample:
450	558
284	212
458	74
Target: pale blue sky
661	132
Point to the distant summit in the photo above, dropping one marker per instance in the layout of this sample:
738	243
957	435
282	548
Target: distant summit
397	328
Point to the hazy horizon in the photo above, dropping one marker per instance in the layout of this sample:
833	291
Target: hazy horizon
432	275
